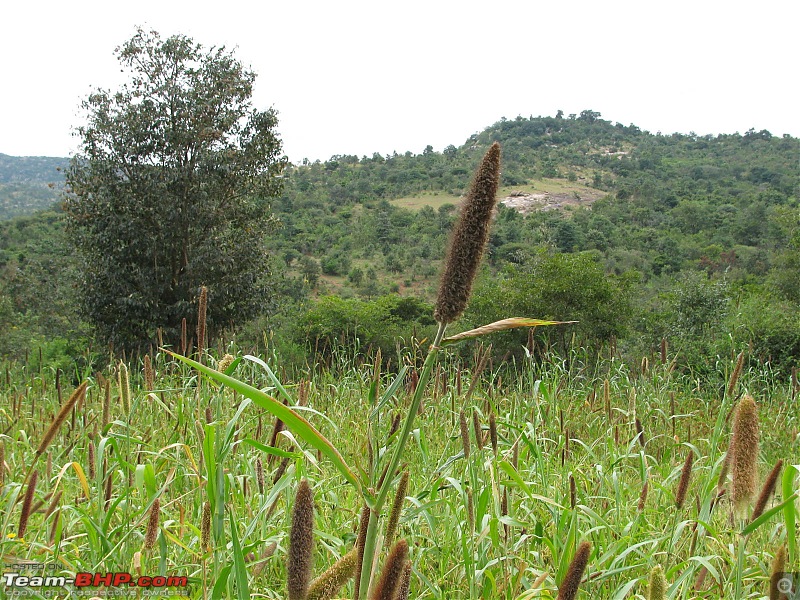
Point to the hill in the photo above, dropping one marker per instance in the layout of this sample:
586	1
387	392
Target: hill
28	184
694	232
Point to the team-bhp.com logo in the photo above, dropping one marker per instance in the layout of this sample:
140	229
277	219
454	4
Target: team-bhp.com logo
16	582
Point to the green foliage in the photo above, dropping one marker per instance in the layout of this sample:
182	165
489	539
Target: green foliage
561	287
333	322
169	191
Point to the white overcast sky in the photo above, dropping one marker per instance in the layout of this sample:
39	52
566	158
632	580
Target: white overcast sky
360	77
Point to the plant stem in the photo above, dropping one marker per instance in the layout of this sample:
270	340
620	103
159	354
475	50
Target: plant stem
372	528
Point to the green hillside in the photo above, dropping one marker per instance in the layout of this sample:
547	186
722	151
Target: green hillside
28	184
692	237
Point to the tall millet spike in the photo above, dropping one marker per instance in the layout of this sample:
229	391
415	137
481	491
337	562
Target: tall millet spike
301	543
778	568
468	239
686	476
744	455
151	534
27	504
568	590
331	581
766	490
392	572
60	417
658	584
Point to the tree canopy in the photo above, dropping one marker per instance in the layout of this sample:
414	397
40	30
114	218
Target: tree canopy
170	190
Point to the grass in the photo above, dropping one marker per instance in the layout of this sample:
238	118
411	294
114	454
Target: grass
499	525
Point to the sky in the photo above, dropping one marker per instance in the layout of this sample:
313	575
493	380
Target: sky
351	77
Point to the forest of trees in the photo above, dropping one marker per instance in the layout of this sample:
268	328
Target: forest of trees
695	240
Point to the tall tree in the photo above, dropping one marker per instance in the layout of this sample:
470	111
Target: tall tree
170	190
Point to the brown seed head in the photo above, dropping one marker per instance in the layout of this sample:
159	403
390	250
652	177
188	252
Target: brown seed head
493	432
27	504
61	416
766	490
151	534
205	527
389	581
149	376
464	434
737	370
476	426
405	582
360	542
397	509
301	543
643	493
744	455
778	569
260	475
468	239
331	581
683	484
568	590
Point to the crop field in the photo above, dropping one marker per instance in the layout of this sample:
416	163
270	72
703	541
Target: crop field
154	468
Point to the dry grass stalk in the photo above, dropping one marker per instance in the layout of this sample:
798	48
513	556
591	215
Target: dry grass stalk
184	347
766	490
663	351
27	504
723	473
658	584
464	434
607	399
106	404
744	455
493	432
389	581
683	484
568	590
60	417
301	543
468	239
151	534
53	504
327	585
54	526
397	508
91	459
269	550
202	309
2	463
109	488
124	383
